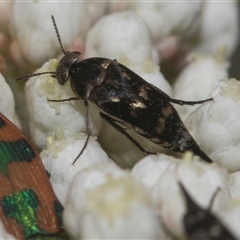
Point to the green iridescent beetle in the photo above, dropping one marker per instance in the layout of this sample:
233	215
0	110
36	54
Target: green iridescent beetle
29	209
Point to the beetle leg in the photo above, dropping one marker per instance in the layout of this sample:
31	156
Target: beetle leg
63	100
213	198
89	132
182	102
114	123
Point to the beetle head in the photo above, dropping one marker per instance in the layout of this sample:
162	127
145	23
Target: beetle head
65	64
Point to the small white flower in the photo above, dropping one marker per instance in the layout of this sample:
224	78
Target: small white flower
215	128
215	31
199	78
230	217
149	169
104	202
59	158
234	185
33	34
118	34
165	18
96	9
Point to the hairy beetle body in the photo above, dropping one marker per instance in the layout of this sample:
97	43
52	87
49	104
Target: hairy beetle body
130	101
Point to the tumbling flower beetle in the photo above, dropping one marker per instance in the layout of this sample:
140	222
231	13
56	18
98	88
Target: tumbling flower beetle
126	101
29	209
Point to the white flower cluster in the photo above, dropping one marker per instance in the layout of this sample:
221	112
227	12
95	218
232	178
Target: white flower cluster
102	199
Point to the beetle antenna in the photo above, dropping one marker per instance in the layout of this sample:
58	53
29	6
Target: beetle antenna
35	74
213	198
58	35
